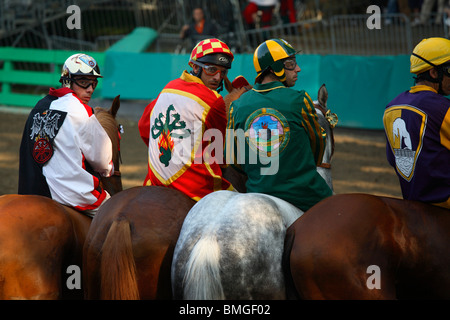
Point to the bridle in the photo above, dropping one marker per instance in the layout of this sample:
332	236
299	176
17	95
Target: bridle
330	118
117	173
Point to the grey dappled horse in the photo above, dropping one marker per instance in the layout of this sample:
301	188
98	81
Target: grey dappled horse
231	244
231	247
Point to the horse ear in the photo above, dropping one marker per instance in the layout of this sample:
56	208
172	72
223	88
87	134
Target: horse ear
322	96
115	106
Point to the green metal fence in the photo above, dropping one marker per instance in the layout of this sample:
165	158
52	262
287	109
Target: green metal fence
27	74
17	82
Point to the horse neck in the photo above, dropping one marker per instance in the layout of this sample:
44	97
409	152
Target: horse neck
111	184
320	111
111	128
325	170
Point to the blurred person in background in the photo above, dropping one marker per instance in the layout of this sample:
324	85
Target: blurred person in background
200	28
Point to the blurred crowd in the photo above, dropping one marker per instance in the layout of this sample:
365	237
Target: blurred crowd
421	12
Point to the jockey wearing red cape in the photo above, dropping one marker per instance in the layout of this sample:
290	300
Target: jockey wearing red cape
173	125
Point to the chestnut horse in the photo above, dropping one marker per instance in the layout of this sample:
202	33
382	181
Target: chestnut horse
128	250
40	238
360	246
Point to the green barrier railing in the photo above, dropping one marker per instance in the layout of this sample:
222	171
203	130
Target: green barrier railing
9	75
359	87
135	42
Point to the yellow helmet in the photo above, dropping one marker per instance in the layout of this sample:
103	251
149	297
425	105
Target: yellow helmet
429	53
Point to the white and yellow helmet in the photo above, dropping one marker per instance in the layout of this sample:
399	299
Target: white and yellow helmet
79	64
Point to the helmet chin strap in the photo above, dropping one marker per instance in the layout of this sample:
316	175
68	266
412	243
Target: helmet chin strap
429	78
220	87
199	74
279	79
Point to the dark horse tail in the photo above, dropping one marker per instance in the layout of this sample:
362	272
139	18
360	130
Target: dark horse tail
118	268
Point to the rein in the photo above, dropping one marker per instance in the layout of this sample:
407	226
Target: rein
117	173
325	165
119	132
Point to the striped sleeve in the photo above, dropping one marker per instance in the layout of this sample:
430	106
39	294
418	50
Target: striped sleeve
445	130
311	124
230	140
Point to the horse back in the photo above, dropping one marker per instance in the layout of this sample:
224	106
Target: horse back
230	247
423	270
153	216
346	243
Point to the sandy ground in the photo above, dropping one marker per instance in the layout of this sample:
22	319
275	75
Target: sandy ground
359	163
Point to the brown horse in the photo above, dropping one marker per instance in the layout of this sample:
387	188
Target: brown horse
129	247
40	238
128	251
360	246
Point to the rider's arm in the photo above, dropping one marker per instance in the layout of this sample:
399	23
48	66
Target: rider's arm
144	122
445	130
217	119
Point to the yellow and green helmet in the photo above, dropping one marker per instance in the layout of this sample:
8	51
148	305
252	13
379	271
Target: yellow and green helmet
270	54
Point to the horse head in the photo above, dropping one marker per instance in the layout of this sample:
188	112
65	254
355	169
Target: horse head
327	121
107	119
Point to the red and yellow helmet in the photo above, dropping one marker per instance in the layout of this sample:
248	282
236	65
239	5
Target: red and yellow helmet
212	51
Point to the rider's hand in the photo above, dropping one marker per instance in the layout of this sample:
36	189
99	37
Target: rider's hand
234	94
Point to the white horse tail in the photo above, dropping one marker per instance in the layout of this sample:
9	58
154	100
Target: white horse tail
202	277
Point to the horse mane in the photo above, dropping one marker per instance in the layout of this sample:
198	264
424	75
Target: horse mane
110	125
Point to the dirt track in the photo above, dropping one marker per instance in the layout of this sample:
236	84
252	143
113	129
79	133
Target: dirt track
359	163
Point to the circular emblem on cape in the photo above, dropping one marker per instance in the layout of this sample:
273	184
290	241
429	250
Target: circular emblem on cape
42	151
267	131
